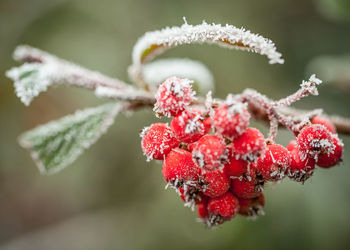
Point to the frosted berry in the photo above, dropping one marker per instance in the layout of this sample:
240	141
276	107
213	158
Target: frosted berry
273	164
249	187
314	140
173	95
209	152
222	208
236	167
231	119
157	141
299	170
179	169
252	207
331	159
188	126
214	183
325	122
249	145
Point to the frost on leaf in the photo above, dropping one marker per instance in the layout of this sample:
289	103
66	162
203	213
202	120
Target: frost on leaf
31	79
156	72
55	145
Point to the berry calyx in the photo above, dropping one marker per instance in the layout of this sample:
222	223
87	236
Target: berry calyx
173	95
248	187
179	169
325	122
231	119
214	183
313	141
188	126
249	145
222	208
252	207
209	152
333	158
273	164
157	141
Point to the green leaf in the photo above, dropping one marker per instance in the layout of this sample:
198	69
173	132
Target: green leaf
55	145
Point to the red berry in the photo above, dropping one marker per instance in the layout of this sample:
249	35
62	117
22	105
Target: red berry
157	141
236	167
273	164
249	145
331	159
202	208
188	126
214	183
299	170
209	152
173	95
252	207
179	169
325	122
222	208
314	140
230	120
249	187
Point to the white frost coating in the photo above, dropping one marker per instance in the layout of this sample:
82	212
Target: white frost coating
122	94
156	72
310	85
43	140
226	36
31	79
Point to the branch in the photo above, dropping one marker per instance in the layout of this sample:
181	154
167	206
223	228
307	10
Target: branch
57	71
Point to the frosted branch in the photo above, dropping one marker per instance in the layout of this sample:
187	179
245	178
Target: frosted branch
42	69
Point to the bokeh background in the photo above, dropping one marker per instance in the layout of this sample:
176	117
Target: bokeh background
111	198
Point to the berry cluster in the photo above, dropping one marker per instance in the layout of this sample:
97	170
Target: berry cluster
220	165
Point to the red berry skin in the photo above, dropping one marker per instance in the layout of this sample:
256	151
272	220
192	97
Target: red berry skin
249	187
273	164
252	207
222	208
230	120
236	167
330	160
157	141
188	126
299	170
249	145
325	122
314	140
214	183
173	96
202	210
292	145
179	169
209	152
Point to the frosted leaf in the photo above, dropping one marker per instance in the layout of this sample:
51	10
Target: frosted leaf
56	144
30	79
156	72
154	43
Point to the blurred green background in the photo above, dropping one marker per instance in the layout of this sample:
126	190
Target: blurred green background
111	198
